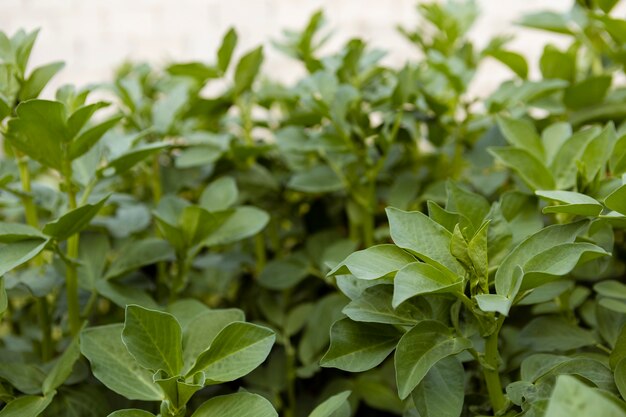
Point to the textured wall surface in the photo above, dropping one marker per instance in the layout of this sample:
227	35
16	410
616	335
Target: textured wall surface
93	36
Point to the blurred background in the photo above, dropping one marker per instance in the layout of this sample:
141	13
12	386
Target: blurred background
95	36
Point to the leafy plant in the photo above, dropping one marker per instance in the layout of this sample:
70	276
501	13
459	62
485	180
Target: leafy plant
215	242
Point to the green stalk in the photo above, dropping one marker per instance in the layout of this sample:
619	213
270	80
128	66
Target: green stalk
157	190
182	269
71	276
490	370
260	252
30	212
290	368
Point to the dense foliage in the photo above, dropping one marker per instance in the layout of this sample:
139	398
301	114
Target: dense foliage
263	248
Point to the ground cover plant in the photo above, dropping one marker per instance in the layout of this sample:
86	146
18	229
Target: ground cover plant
369	241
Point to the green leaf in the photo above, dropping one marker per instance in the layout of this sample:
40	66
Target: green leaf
4	301
563	335
154	339
420	349
15	254
617	200
113	365
573	398
494	303
15	232
138	254
241	404
73	221
564	165
357	347
202	330
588	92
247	70
236	351
62	368
620	377
197	224
123	295
442	391
571	203
38	79
280	274
557	64
373	263
534	245
419	278
516	62
79	118
129	159
27	406
40	131
330	405
557	261
221	194
530	169
374	305
319	179
246	221
522	134
131	412
177	391
168	108
87	139
225	53
550	21
417	233
553	137
471	205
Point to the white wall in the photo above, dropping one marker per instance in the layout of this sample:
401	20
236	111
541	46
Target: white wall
93	36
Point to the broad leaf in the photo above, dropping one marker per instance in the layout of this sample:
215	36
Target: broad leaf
571	203
332	404
202	330
417	233
131	412
62	368
236	351
374	305
113	365
534	245
73	221
154	339
530	169
573	398
420	349
245	222
221	194
138	254
241	404
27	406
357	347
420	278
442	391
522	134
374	262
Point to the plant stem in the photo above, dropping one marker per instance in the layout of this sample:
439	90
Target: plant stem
30	212
71	277
490	369
290	354
259	249
157	190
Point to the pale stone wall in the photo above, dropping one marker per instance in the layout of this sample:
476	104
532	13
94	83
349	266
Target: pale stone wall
93	36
